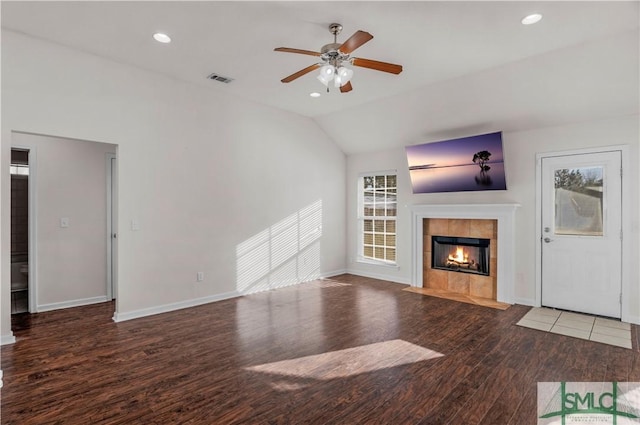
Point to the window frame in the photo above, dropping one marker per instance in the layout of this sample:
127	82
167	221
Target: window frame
361	217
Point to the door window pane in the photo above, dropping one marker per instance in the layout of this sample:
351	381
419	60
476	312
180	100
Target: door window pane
578	201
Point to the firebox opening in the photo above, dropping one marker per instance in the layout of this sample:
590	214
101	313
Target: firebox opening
466	255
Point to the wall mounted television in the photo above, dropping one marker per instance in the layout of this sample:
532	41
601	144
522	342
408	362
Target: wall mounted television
458	165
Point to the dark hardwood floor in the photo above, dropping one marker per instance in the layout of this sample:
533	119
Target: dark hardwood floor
350	350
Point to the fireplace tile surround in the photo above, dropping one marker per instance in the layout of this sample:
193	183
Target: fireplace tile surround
457	217
461	283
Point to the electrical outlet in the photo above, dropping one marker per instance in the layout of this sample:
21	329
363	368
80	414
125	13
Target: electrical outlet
200	276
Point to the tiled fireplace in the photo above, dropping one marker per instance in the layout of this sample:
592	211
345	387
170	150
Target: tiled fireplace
492	222
459	274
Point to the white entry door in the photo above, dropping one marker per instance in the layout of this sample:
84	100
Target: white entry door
582	233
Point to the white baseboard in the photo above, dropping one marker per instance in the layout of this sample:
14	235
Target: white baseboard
380	277
150	311
7	339
632	319
524	301
72	303
333	273
121	317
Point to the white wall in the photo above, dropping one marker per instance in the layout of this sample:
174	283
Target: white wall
599	76
199	171
70	178
520	149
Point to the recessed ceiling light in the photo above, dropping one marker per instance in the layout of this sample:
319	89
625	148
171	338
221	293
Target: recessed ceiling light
161	37
314	94
531	19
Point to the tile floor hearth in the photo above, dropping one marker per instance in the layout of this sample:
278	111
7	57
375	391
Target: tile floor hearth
469	299
607	331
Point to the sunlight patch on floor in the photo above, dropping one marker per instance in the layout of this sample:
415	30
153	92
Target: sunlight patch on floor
347	362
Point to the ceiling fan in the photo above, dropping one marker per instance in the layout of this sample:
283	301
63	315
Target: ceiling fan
334	56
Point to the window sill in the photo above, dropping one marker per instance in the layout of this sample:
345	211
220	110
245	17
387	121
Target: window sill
377	263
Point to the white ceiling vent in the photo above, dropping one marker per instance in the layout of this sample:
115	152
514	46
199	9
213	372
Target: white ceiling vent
217	77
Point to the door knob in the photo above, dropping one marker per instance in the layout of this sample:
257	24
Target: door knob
547	240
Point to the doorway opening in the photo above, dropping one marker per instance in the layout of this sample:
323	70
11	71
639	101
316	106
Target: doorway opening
59	233
19	231
112	226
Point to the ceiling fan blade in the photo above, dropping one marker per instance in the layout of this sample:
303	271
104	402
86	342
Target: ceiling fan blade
355	41
378	66
302	52
300	73
345	88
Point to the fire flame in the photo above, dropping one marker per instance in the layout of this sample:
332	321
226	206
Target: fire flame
460	256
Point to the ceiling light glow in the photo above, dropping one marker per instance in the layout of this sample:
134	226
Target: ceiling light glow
531	19
161	37
314	94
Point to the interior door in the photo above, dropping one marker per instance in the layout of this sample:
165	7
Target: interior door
581	233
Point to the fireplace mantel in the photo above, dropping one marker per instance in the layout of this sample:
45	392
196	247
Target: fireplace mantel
503	213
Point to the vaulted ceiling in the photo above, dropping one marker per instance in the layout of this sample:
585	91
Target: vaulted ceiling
469	67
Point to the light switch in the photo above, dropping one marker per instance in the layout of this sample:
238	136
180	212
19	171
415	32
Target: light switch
64	222
135	225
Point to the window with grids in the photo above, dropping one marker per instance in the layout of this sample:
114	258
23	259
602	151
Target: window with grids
377	214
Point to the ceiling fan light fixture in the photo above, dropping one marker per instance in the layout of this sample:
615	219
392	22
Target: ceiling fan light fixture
333	55
324	80
345	74
342	77
328	70
327	73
